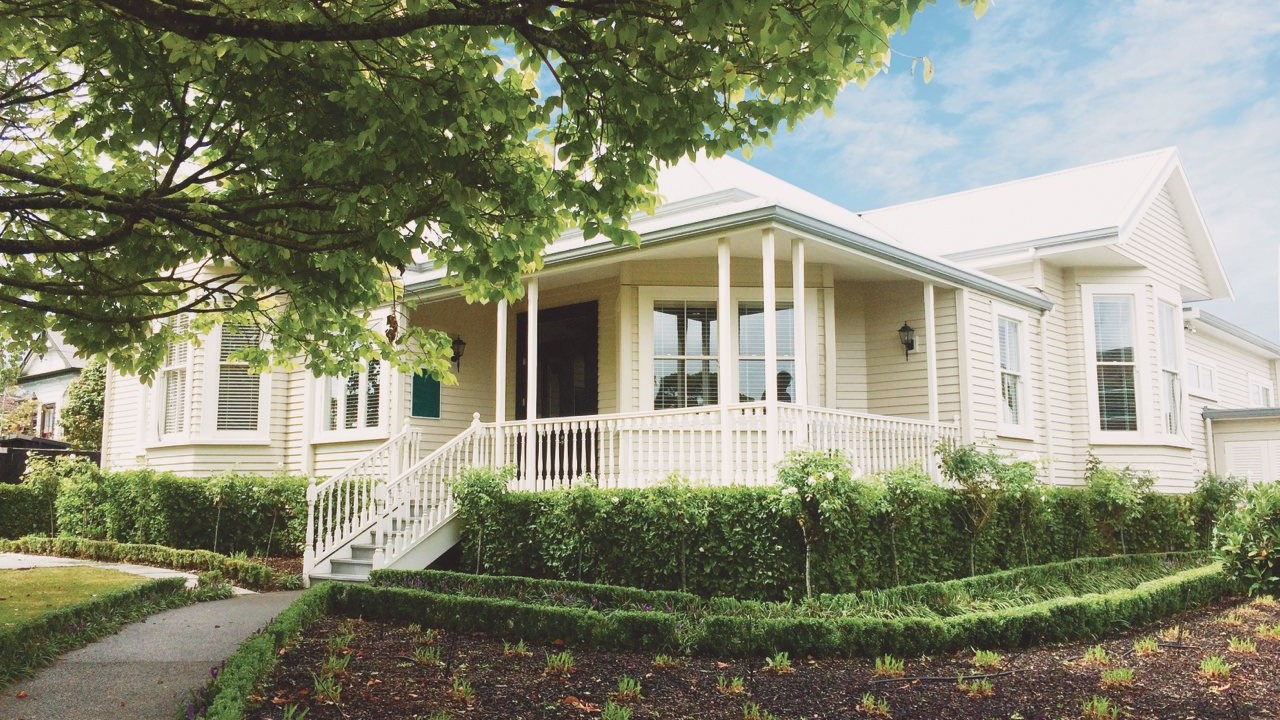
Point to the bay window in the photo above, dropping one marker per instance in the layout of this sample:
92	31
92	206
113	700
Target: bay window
1114	360
354	401
1170	327
174	388
751	358
685	354
239	390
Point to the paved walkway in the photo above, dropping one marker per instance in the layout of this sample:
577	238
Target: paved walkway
20	561
147	670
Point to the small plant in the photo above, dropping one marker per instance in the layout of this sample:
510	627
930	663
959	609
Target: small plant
615	712
1145	646
986	659
348	626
779	664
666	662
1214	667
730	686
560	663
1231	619
1173	634
752	711
1117	678
976	688
414	628
1269	632
1265	602
628	690
462	690
517	650
427	655
340	642
295	712
1100	708
1245	646
889	666
873	706
326	689
335	665
1096	656
430	636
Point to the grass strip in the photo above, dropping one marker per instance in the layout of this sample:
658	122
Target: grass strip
30	645
245	573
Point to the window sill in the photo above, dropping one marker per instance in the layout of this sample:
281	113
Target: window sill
1202	396
1139	441
256	440
334	437
1016	433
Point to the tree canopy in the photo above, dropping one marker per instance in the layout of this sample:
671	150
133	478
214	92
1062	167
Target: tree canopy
280	162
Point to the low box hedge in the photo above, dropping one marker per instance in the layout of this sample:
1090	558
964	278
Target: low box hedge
37	642
226	696
244	573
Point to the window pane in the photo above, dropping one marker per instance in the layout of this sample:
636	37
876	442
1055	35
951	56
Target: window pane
684	383
373	394
1168	335
1113	327
1117	401
1172	403
1010	345
668	384
684	328
750	380
351	405
1010	403
237	337
751	329
175	400
237	398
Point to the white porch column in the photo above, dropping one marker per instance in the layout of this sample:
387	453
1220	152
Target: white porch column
531	384
728	370
500	384
773	442
931	350
798	339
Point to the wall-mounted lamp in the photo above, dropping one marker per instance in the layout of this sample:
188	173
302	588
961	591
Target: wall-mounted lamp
459	347
907	335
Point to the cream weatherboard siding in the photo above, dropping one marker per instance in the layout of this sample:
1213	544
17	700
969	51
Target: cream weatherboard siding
1159	242
1233	367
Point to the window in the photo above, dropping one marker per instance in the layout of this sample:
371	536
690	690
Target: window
1011	392
173	384
238	389
1115	362
751	359
1201	379
1260	392
48	419
1170	327
685	346
354	402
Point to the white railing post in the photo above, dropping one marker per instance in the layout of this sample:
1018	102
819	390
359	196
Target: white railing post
769	271
530	472
799	340
309	552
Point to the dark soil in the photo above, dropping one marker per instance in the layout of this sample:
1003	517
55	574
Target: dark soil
382	681
283	565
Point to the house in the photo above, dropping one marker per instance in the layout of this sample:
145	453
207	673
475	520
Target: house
46	377
1047	317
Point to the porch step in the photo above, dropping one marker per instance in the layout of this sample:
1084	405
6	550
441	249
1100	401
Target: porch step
335	577
351	567
363	551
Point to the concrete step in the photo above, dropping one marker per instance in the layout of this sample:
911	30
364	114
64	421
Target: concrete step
348	566
336	577
363	551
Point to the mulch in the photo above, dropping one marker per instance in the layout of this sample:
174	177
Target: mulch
382	681
283	565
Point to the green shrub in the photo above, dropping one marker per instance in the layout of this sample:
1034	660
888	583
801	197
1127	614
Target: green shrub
27	508
228	513
1247	540
244	573
1117	496
1214	496
747	542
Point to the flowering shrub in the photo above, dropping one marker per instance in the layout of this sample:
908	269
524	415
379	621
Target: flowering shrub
809	492
1247	539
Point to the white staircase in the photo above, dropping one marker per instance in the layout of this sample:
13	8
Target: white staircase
392	508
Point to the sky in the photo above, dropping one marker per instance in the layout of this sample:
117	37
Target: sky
1037	86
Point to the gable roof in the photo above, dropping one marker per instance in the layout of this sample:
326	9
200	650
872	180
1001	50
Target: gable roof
58	357
1231	332
1098	203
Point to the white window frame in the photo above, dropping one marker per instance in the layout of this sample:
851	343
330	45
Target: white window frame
381	431
1195	366
209	434
1177	367
1024	429
157	437
1258	381
1141	361
702	294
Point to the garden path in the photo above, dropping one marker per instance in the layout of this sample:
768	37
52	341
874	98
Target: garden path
148	669
21	561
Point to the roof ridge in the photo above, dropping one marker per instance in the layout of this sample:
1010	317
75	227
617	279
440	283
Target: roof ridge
1168	150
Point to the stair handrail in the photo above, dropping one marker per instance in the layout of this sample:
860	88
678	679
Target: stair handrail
332	522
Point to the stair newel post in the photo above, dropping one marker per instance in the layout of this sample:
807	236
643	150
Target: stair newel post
309	552
380	539
475	441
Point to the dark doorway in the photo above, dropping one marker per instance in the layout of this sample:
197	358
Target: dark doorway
568	386
568	361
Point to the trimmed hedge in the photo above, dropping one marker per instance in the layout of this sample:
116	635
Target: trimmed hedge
244	573
226	513
27	509
739	541
1058	619
37	642
227	694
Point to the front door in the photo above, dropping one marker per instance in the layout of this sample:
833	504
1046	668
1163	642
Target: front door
567	377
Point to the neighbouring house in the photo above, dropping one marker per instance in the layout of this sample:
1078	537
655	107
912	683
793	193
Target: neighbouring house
1048	317
46	377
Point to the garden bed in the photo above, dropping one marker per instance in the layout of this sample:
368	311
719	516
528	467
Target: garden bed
390	673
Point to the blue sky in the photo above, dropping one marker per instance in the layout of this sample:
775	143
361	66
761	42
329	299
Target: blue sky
1036	86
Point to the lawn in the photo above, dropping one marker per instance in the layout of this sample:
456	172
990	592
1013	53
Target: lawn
26	594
